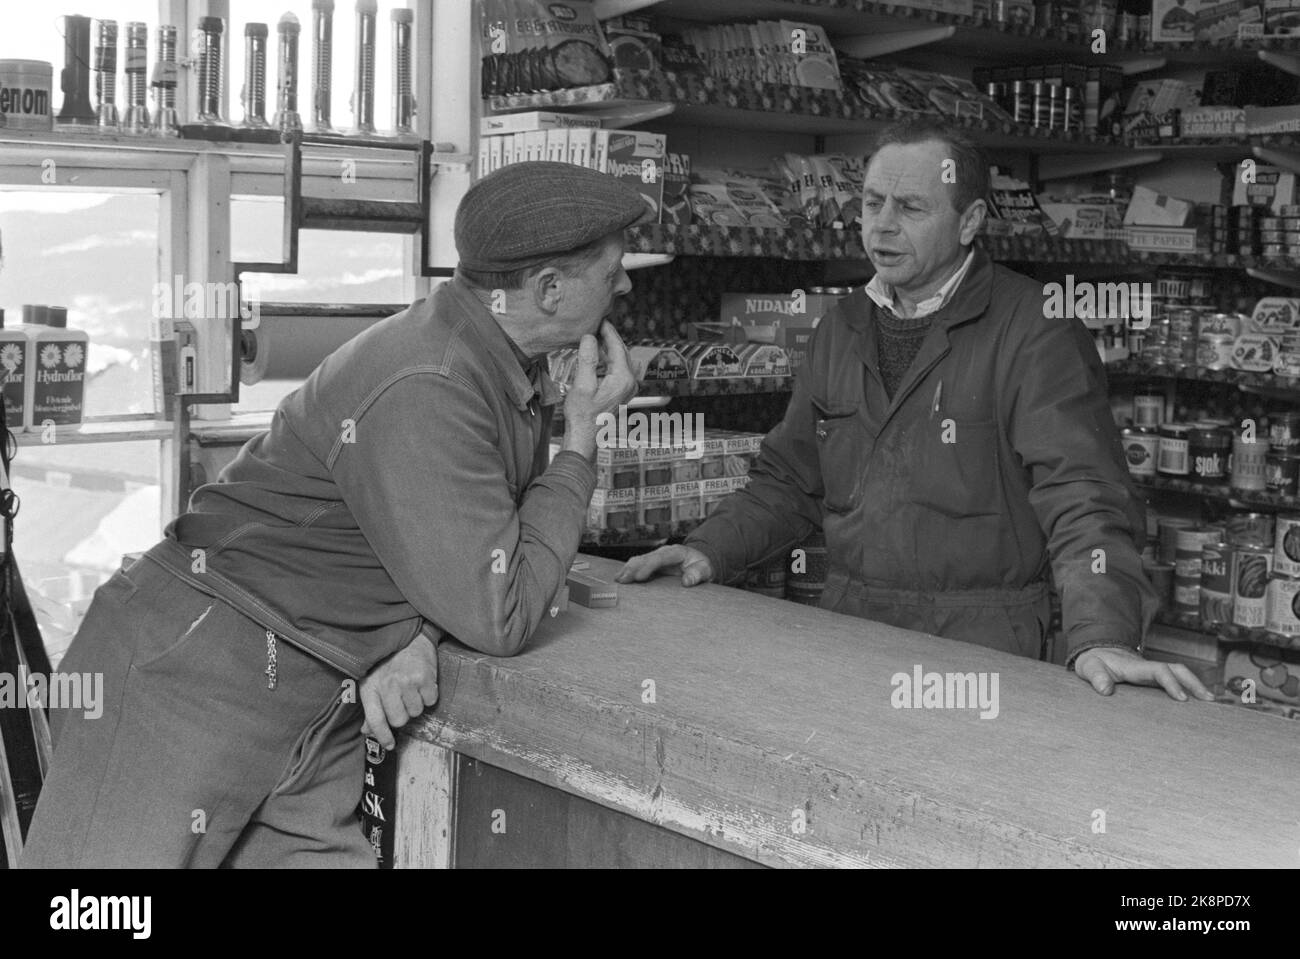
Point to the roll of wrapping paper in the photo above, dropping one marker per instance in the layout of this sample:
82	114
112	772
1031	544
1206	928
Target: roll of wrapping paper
290	347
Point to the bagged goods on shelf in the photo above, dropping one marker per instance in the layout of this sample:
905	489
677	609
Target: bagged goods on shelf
539	45
633	48
816	66
676	207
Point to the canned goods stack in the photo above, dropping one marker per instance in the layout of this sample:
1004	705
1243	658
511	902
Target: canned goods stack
1282	463
1190	543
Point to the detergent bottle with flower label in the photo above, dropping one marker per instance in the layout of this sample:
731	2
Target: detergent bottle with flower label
13	374
56	361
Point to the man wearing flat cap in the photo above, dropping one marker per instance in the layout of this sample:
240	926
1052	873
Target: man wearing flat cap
402	493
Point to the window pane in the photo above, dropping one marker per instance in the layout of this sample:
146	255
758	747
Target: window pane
336	267
96	254
82	507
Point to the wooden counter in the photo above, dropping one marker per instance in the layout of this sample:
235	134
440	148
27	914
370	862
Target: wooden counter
772	739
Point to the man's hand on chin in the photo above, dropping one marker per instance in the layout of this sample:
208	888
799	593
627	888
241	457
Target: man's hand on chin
1104	666
399	689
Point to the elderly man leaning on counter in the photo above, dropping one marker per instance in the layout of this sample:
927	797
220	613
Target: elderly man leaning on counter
402	492
953	442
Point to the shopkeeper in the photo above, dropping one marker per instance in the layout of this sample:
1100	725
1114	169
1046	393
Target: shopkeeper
402	492
953	443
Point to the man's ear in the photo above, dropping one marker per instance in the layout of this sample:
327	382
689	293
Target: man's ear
972	220
547	289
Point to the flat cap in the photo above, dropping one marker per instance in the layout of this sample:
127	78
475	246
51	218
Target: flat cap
526	213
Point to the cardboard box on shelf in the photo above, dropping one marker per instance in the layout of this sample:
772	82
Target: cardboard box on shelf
614	509
1085	217
533	120
1272	187
636	157
654	505
1149	208
657	363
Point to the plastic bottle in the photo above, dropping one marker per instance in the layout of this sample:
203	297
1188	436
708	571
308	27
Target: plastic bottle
13	374
56	359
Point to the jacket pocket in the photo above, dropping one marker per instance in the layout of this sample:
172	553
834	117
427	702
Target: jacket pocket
957	468
841	446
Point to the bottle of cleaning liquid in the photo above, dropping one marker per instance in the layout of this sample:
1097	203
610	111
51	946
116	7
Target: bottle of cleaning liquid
56	360
13	374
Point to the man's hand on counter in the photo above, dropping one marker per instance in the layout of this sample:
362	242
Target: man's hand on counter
1104	666
693	566
399	689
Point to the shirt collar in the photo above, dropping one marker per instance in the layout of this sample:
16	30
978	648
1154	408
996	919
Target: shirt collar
883	294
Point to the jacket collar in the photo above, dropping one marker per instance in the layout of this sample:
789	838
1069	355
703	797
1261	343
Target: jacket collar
506	357
969	300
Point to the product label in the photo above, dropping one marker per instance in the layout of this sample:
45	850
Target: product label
60	382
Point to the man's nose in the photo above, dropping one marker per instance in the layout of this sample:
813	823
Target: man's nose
624	284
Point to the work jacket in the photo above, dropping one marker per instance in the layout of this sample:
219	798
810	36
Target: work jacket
944	507
403	487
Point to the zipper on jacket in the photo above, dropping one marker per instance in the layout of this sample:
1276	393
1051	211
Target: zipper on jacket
270	659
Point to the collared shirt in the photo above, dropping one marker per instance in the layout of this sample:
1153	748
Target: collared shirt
883	294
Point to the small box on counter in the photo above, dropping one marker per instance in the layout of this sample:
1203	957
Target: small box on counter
587	590
618	468
687	502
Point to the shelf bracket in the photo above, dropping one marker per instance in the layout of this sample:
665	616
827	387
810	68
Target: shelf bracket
1142	65
1278	277
641	261
1066	165
605	9
871	45
1286	62
1286	159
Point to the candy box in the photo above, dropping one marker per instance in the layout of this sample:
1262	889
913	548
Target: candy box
658	363
614	509
712	456
618	468
762	359
637	158
714	491
687	502
713	361
654	505
657	464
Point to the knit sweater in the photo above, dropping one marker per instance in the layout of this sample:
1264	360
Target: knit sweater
899	341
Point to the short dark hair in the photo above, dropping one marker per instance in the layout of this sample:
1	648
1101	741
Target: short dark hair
970	161
575	261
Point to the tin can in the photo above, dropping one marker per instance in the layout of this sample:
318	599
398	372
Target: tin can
1216	584
768	579
1248	529
1251	566
1172	455
1280	473
1191	543
1169	527
1148	406
1208	452
1286	549
1284	432
806	572
26	99
1140	449
1282	597
1248	462
1214	351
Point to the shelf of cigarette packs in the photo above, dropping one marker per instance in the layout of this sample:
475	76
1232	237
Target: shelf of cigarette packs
699	239
707	100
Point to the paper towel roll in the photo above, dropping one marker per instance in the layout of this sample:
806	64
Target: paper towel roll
290	347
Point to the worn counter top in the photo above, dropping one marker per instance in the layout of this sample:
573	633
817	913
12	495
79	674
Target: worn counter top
772	733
